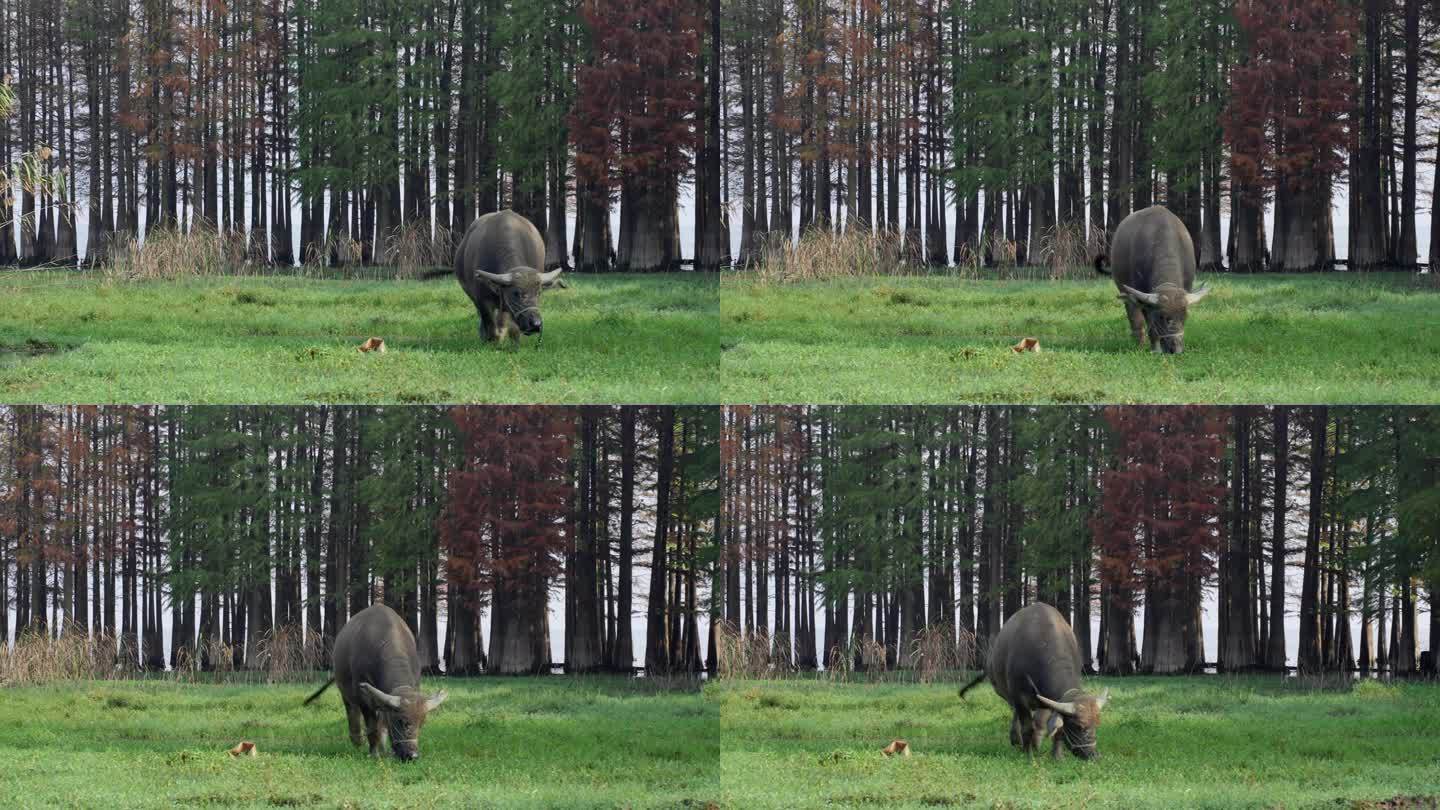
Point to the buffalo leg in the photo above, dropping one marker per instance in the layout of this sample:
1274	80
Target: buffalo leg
500	324
1154	337
509	330
352	715
485	328
492	322
1025	727
1015	729
375	731
1055	747
1138	326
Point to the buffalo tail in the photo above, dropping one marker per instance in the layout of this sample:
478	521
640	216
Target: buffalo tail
972	685
1101	262
319	692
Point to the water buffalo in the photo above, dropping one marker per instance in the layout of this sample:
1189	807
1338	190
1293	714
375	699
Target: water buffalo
497	263
1034	655
1153	263
378	672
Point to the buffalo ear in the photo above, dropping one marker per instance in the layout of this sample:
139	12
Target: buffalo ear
381	700
435	700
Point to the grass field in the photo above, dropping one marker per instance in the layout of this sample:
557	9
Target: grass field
1255	339
551	742
1163	742
76	338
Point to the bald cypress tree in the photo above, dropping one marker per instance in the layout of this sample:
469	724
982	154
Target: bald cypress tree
503	526
635	120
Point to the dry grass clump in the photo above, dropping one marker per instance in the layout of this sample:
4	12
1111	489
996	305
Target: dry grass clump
822	255
336	249
289	653
938	649
1064	251
742	656
936	653
858	657
413	248
37	658
1068	249
167	254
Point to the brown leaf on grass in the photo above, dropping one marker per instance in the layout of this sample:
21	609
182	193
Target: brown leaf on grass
897	748
245	748
373	345
1026	345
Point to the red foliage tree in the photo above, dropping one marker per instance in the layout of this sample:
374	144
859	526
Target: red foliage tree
1157	528
503	529
633	125
1287	122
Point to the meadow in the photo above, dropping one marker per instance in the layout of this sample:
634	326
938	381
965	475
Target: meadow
593	741
1202	741
82	337
1294	339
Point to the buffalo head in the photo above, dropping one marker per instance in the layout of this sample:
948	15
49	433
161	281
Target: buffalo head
404	715
519	291
1075	720
1165	311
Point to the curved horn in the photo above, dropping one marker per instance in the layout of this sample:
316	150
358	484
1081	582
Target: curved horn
382	700
1063	707
1200	292
435	700
1103	699
1145	298
549	278
505	279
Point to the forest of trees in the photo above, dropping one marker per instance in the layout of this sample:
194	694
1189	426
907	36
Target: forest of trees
237	524
879	524
354	122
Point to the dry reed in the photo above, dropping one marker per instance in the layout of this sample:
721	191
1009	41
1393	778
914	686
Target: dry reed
287	654
822	255
167	254
413	249
1065	251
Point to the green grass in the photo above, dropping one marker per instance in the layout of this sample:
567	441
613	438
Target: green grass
551	742
1286	339
76	338
1163	742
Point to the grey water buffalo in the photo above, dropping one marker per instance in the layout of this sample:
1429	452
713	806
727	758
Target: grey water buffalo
498	264
1153	263
378	673
1034	665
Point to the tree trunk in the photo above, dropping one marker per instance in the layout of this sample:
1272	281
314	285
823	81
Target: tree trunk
1310	654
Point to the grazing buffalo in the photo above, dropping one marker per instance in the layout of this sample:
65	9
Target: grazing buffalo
378	672
1034	664
498	263
1153	263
